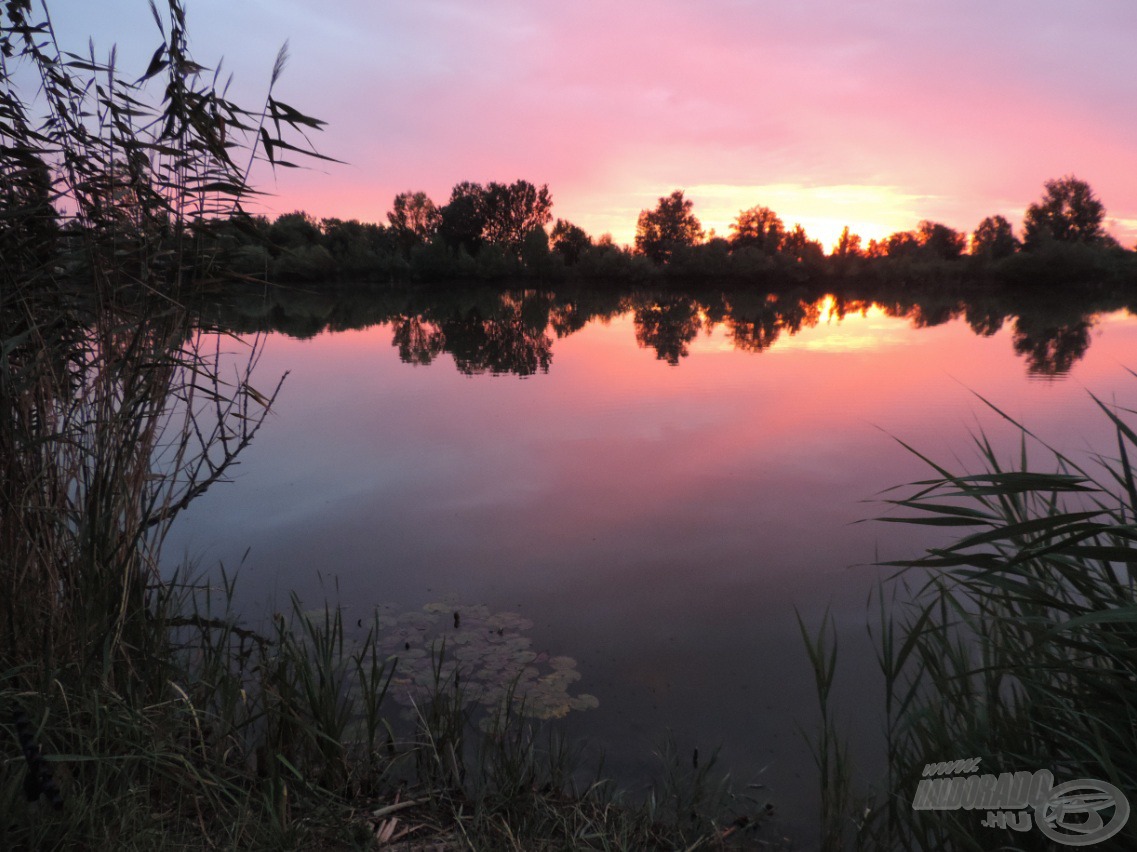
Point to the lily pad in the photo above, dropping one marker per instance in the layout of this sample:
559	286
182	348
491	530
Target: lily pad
484	652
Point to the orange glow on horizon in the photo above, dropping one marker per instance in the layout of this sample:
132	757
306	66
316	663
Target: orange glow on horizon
871	211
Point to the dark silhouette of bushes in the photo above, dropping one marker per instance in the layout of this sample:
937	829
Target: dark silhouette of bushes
499	232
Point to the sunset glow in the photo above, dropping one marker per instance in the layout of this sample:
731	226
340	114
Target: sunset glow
873	116
871	211
580	369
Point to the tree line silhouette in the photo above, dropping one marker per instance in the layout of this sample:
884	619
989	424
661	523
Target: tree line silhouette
506	232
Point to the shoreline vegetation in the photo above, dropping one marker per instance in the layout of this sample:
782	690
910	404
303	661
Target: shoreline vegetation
503	236
137	711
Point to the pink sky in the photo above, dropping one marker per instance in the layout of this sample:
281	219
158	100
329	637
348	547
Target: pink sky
873	114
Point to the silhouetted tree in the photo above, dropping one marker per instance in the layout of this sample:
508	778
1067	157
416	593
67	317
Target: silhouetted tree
940	241
253	230
848	245
304	263
414	219
1069	212
514	210
877	248
800	247
497	213
669	226
535	254
295	230
297	245
994	238
438	261
569	241
758	227
707	260
902	244
463	219
358	246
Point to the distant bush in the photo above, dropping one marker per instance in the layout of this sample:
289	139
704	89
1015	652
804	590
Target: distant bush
304	263
1054	263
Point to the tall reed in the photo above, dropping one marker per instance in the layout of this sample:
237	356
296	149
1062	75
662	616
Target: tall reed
117	410
116	414
1017	643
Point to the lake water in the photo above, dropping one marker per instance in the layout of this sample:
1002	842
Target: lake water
657	486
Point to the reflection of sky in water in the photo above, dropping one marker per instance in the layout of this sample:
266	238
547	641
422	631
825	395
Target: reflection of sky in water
657	523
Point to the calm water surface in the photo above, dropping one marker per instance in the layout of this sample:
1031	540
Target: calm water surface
658	514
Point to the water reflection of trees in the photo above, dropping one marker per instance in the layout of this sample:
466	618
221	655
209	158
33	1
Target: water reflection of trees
754	322
1051	350
512	339
503	344
418	342
755	333
488	331
667	324
984	320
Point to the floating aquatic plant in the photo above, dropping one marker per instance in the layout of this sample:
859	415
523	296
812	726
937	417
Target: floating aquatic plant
483	651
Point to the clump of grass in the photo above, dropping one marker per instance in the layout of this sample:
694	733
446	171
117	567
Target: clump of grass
503	779
1017	643
231	737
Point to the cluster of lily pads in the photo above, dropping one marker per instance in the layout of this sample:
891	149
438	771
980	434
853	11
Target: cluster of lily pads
481	653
